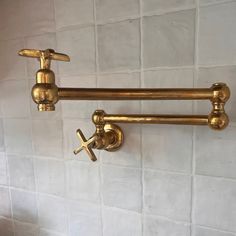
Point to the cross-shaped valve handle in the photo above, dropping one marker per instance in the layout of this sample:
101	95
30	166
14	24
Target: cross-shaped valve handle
45	56
86	145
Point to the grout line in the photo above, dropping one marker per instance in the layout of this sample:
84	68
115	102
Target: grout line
140	107
96	74
195	77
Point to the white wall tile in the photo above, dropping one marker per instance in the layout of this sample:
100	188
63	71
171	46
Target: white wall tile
121	223
47	137
17	136
52	213
215	152
6	227
11	65
200	231
214	203
21	172
158	226
224	74
168	40
121	187
78	109
24	206
84	219
160	5
44	232
174	78
50	176
15	97
79	44
110	9
83	181
5	204
167	148
73	12
119	46
3	169
167	195
217	22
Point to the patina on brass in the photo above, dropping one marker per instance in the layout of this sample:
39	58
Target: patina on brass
109	136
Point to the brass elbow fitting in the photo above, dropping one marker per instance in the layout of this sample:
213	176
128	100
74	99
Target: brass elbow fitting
45	91
218	119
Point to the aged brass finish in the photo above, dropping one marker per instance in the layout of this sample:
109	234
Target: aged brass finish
109	136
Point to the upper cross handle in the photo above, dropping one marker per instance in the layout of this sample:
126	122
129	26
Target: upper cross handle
45	56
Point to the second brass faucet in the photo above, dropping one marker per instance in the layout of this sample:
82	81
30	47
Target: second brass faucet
109	136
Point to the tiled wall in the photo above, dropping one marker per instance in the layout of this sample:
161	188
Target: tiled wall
166	180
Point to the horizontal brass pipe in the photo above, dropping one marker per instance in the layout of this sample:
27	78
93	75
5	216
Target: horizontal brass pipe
134	94
158	119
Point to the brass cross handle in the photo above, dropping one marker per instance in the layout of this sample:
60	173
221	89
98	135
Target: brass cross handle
86	145
45	56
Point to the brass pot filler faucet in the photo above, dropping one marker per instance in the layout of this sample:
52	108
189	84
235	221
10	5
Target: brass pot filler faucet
109	136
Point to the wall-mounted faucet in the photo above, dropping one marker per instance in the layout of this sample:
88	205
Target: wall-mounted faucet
109	136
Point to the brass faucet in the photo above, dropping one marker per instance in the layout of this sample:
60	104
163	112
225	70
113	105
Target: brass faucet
45	91
109	136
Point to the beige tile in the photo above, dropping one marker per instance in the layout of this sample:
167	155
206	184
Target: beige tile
119	46
25	229
168	40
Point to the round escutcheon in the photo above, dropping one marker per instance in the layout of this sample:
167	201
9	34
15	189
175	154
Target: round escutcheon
119	137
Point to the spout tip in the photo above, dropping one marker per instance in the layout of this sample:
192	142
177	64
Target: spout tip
46	107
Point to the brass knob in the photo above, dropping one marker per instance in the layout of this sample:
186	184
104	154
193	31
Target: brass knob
45	56
86	145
